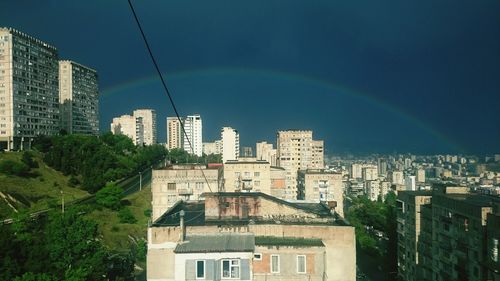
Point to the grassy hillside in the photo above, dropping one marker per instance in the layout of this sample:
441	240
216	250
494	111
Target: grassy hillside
38	191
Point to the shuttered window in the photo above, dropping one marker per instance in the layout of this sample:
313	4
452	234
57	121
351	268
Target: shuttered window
200	269
301	264
275	264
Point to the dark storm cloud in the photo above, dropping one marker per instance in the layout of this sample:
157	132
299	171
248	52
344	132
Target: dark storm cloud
438	61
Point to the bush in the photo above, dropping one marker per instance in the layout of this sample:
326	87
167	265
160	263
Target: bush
126	216
27	159
73	181
148	212
109	196
14	168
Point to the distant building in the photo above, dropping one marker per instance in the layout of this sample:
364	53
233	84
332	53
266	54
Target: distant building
249	175
369	172
265	151
29	89
79	98
129	126
298	151
249	236
247	151
420	175
193	142
410	183
177	182
373	189
356	171
321	186
212	147
230	144
397	178
148	117
174	133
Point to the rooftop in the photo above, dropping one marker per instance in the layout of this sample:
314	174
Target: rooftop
217	242
288	241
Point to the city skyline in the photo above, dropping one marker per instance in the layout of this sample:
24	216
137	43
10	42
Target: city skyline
370	86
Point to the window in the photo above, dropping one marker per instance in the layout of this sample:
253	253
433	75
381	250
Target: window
200	269
275	264
231	269
171	186
257	257
256	174
256	183
301	264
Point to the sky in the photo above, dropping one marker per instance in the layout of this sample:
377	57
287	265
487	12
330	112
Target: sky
366	76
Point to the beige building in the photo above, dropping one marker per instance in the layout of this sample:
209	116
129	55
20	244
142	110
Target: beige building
298	151
212	147
278	182
79	98
420	175
408	228
397	178
265	151
247	175
174	133
148	117
286	241
176	182
321	186
369	172
129	126
29	89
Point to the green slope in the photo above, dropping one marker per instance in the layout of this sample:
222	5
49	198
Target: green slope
37	192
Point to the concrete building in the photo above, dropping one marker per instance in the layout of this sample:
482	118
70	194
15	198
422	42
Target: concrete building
215	237
79	98
176	182
247	175
278	182
29	89
230	144
148	117
316	185
212	147
410	183
447	234
174	133
397	178
372	188
356	171
420	175
129	126
409	204
265	151
369	172
193	142
247	151
298	151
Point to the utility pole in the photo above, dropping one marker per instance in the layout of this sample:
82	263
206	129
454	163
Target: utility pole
140	181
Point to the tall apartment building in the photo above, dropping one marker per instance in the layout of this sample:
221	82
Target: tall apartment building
174	133
193	142
247	175
265	151
447	234
420	175
369	172
298	151
356	171
29	89
397	178
230	144
79	98
410	183
129	126
148	117
321	186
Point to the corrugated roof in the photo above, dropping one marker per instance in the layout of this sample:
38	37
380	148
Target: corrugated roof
219	242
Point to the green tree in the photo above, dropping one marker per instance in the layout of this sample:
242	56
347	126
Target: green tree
27	159
126	216
30	276
109	196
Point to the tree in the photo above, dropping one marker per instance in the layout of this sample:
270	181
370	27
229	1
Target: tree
126	216
27	159
30	276
109	196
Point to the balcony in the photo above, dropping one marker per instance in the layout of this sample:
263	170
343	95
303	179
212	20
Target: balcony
185	191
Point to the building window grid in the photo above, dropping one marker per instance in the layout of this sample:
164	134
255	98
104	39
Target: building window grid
275	264
230	269
301	264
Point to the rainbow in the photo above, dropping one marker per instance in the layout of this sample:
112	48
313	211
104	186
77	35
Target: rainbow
334	88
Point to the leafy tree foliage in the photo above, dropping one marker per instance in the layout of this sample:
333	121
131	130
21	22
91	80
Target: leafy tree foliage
109	196
126	216
15	168
97	160
27	159
58	247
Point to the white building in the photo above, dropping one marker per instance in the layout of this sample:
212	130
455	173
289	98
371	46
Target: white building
356	171
174	133
79	98
420	175
212	147
372	189
29	89
148	117
397	177
129	126
230	144
193	143
410	183
265	151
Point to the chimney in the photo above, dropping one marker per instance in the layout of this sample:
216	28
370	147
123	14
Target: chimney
183	227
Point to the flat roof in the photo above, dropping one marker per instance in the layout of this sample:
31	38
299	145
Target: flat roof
217	242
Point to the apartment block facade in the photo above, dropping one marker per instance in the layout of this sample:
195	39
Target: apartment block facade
193	139
321	186
265	151
79	98
230	139
174	133
296	150
148	117
130	126
29	89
